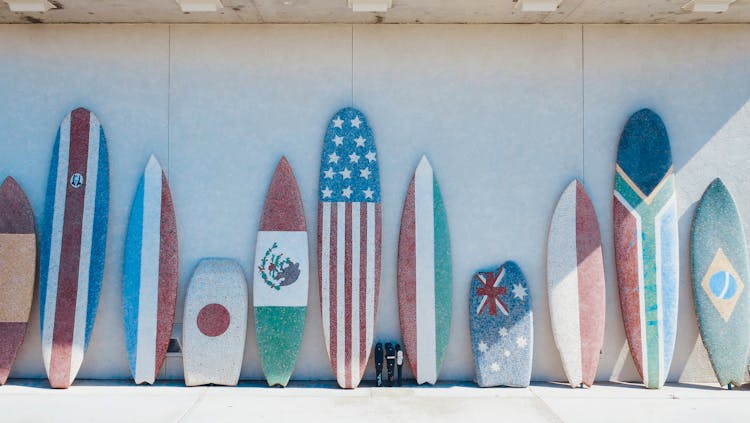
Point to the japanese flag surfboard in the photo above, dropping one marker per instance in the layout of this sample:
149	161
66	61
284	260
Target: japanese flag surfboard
150	274
424	275
646	245
719	270
502	327
349	236
214	323
281	276
575	282
73	242
17	270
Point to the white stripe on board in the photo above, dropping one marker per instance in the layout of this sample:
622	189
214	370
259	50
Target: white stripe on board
424	245
562	274
148	291
58	215
340	293
370	277
355	294
670	206
87	233
325	279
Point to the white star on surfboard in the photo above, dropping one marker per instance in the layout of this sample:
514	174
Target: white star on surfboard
333	158
356	122
360	141
327	192
521	342
347	192
337	122
338	140
329	173
519	291
482	347
346	173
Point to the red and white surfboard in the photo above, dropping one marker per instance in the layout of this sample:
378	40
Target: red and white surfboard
575	277
17	271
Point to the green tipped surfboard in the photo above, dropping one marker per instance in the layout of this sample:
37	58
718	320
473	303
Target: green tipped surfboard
719	269
280	277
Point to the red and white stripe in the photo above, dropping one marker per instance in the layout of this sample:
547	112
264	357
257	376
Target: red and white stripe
66	305
349	271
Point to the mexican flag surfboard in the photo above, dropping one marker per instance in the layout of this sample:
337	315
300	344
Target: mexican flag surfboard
280	278
424	276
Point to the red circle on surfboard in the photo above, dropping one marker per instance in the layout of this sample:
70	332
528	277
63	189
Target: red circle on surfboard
213	320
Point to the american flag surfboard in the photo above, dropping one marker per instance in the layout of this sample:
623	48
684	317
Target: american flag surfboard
74	238
349	237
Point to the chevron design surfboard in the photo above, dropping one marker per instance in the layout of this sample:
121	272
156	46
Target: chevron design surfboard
646	245
150	274
424	276
281	277
501	322
17	271
214	323
575	282
74	235
349	238
719	269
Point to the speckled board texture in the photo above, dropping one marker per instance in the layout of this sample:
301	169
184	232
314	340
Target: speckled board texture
646	245
17	270
281	277
150	274
502	327
575	283
73	244
214	323
349	240
425	278
719	271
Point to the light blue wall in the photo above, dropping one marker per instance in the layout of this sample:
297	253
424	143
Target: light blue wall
507	114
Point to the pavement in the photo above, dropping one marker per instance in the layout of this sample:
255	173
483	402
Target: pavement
115	401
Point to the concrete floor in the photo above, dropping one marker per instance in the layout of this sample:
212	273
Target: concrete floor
113	401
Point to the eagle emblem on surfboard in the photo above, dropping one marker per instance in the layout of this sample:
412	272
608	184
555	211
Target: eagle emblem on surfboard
277	270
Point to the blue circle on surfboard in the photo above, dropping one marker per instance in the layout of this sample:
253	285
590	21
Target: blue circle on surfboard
723	285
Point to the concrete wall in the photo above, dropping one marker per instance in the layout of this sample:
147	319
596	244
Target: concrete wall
507	114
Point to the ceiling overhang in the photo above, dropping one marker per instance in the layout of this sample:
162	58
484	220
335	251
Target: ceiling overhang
399	12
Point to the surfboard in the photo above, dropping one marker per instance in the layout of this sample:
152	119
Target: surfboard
719	270
575	283
214	323
73	243
502	327
17	271
281	277
425	275
349	239
646	244
150	274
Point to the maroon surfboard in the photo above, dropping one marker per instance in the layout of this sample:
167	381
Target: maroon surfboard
17	270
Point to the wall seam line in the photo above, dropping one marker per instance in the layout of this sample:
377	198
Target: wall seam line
169	101
583	107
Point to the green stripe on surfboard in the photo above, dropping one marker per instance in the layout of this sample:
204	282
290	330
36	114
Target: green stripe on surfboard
443	277
279	340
